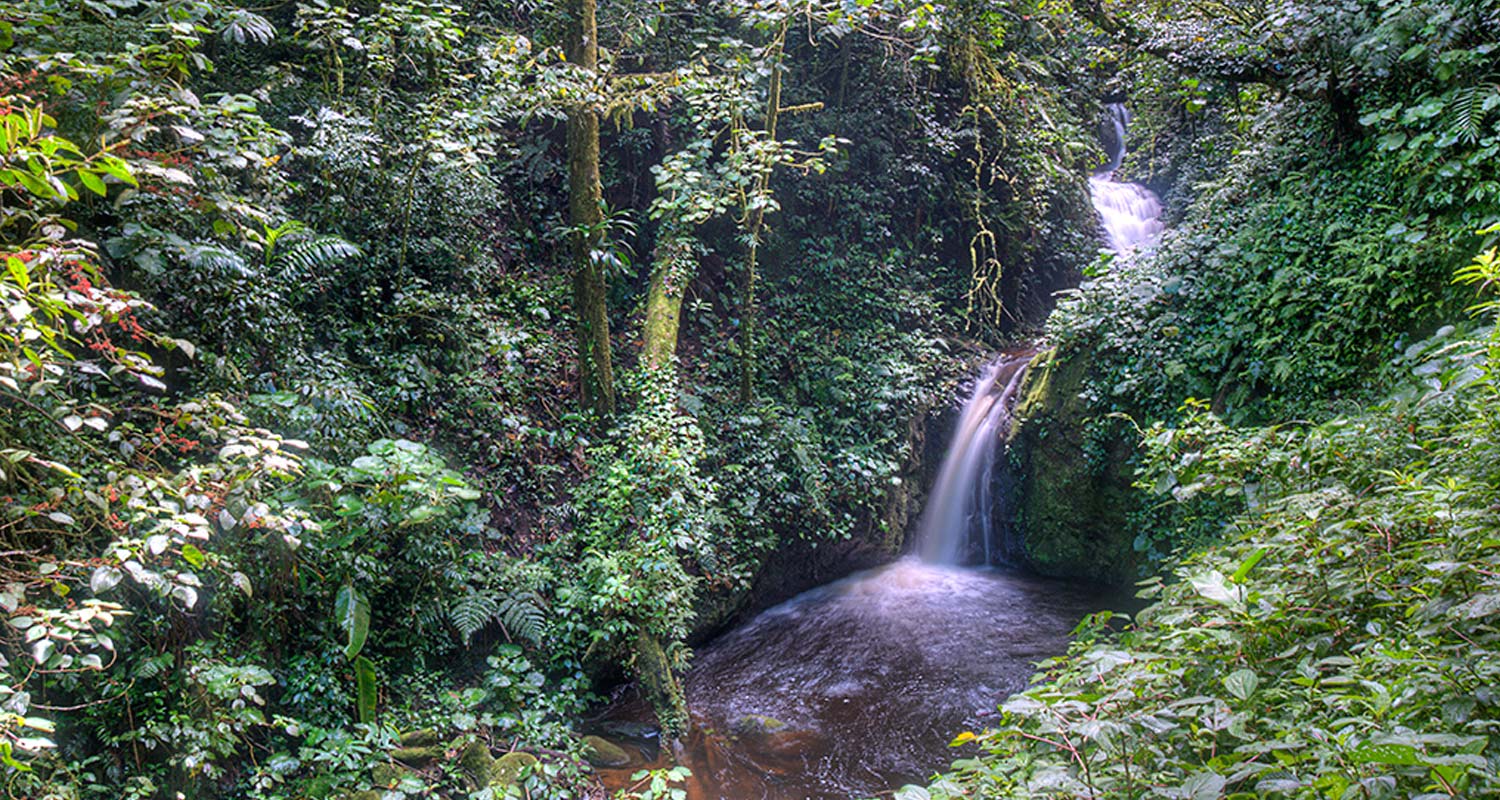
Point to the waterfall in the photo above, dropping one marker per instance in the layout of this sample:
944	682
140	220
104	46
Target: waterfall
1130	213
962	503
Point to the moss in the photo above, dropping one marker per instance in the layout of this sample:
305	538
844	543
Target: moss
1073	491
477	763
756	724
426	737
385	775
660	686
508	768
417	756
602	752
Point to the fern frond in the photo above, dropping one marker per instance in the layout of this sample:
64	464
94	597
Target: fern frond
218	260
471	613
522	616
1466	112
314	257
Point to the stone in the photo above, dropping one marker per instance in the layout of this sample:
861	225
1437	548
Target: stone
507	769
417	756
1072	497
602	752
756	725
427	737
386	775
477	763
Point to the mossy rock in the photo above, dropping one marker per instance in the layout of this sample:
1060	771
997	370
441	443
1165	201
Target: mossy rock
319	788
756	725
417	756
602	752
386	775
477	763
427	737
1073	467
507	769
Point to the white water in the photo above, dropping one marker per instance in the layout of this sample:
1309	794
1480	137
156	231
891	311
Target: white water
961	505
854	688
1130	213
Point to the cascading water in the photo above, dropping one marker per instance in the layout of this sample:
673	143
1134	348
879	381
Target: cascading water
961	506
855	688
1130	213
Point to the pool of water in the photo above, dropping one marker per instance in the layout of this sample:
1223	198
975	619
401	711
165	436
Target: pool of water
857	687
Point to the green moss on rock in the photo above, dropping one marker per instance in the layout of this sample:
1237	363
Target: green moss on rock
602	752
417	756
477	763
427	737
508	768
1073	495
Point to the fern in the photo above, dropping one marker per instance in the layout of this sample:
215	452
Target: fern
471	613
313	257
1464	114
522	615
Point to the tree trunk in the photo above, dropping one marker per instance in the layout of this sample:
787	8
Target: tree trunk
595	367
662	689
757	220
670	273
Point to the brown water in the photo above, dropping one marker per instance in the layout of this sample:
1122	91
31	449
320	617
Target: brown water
872	677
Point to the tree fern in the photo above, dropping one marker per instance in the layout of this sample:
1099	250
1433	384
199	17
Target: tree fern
471	613
311	258
520	615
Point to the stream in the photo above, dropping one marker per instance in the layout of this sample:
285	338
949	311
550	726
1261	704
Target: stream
857	687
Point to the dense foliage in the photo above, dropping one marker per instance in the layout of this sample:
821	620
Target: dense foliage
1339	644
299	497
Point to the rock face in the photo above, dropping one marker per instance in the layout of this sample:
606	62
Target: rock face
1071	472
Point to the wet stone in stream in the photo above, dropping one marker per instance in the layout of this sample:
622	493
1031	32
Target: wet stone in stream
857	687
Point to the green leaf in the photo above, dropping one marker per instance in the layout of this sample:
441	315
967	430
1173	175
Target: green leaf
92	182
1249	564
365	689
1394	754
1242	683
351	612
192	555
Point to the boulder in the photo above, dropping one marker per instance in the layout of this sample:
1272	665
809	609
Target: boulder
417	756
756	725
602	752
507	769
1071	497
477	763
427	737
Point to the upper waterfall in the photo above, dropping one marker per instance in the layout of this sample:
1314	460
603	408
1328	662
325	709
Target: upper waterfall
962	500
1130	213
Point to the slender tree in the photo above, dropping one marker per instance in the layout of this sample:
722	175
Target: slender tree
585	212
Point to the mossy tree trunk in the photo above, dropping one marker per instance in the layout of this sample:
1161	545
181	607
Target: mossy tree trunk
670	274
585	193
756	219
659	683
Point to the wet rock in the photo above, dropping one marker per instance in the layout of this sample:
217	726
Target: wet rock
386	775
417	756
507	769
477	763
426	737
602	752
1072	493
756	725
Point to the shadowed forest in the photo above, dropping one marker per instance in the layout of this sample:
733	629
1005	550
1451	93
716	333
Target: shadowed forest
749	399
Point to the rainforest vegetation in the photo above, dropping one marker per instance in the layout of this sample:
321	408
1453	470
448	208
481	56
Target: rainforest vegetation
384	386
